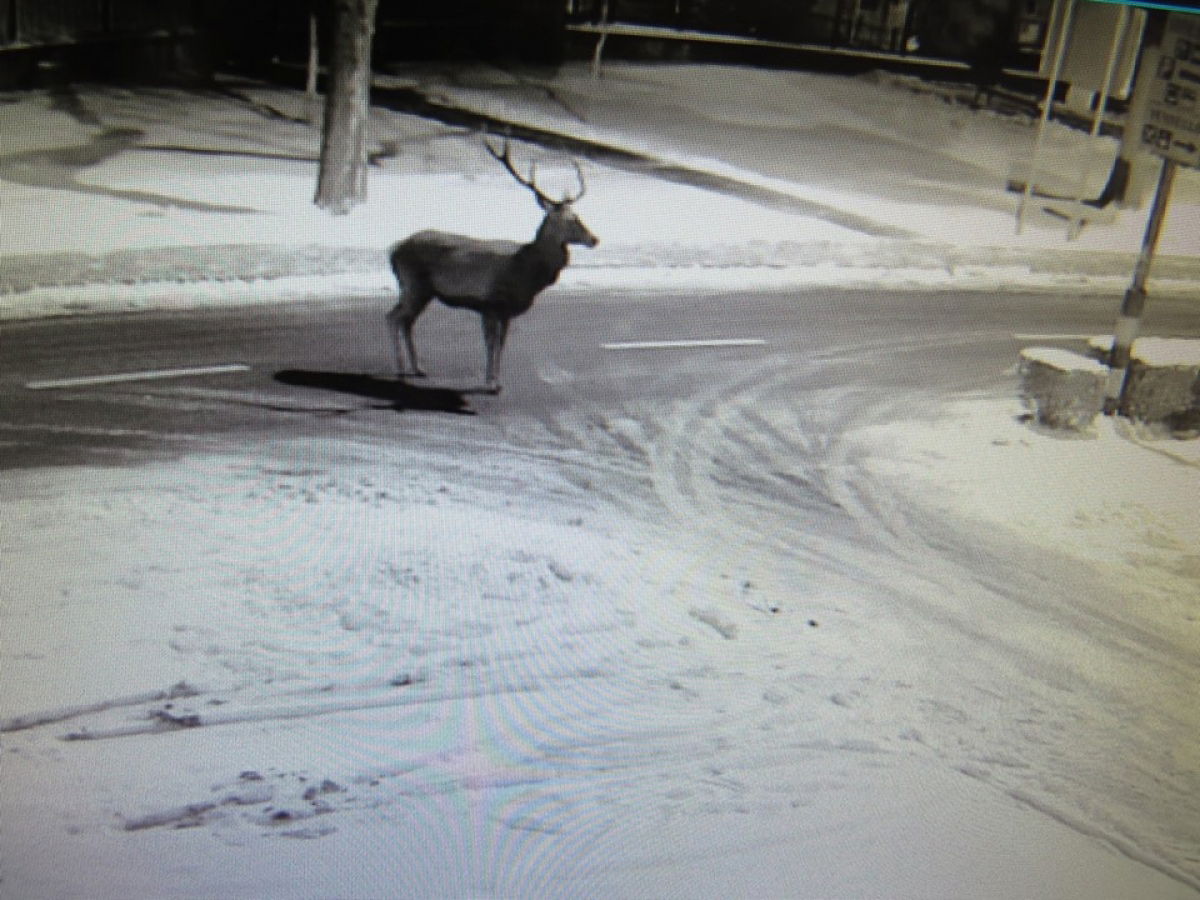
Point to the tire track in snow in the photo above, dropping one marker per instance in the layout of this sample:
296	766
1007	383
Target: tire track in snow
1091	723
798	485
395	694
63	713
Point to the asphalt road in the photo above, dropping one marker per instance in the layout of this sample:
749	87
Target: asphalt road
314	369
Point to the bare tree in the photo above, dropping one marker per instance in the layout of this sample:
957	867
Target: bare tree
314	63
342	181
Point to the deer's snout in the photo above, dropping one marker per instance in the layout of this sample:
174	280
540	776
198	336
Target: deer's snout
583	235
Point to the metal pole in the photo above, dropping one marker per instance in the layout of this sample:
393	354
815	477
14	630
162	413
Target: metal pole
600	41
1047	102
1130	319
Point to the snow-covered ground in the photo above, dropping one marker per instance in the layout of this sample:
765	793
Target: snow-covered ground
889	150
888	186
460	695
289	672
1113	497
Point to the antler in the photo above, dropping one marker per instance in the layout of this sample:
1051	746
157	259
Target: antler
571	198
505	159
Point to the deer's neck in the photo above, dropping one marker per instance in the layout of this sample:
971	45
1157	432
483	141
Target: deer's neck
544	258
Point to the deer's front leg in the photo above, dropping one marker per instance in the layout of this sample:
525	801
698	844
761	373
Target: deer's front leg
400	325
495	331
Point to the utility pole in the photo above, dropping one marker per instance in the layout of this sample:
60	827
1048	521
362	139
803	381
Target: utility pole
1129	322
1164	125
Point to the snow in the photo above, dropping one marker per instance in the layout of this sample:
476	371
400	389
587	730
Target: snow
1064	360
1167	351
980	460
859	218
1155	351
656	110
469	698
333	668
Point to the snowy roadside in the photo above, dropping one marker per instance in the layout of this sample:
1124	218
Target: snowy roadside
705	117
117	234
1117	497
123	296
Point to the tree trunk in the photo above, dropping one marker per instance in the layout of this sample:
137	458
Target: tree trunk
342	182
310	81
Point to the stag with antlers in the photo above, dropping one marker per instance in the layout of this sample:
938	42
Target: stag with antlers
497	279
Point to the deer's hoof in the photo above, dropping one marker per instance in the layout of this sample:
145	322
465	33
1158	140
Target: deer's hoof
415	373
492	388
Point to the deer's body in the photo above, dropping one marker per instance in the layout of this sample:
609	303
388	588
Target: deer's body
497	279
466	272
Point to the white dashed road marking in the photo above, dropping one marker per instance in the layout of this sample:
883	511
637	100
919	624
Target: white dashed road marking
671	345
147	375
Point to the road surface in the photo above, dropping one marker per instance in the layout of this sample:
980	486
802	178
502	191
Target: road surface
309	364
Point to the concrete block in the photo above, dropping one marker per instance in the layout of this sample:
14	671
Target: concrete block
1164	380
1062	389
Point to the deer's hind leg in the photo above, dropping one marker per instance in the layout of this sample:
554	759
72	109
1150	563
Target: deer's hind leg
415	295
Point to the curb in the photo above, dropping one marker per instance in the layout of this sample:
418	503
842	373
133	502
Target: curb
126	296
183	264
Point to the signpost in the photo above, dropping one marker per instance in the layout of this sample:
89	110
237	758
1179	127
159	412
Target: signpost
1167	125
1170	120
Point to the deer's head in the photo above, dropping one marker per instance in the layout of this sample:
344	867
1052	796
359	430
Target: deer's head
561	225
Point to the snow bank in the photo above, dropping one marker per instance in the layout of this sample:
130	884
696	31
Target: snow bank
110	298
186	293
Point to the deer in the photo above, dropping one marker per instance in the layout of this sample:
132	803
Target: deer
498	279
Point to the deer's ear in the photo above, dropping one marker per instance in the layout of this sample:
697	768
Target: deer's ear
546	204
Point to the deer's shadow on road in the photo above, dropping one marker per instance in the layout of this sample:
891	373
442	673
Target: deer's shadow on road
396	394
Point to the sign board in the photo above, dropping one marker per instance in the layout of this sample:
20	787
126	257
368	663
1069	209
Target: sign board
1192	6
1169	119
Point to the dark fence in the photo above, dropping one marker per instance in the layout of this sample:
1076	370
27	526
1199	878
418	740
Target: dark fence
49	42
39	23
956	30
470	29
